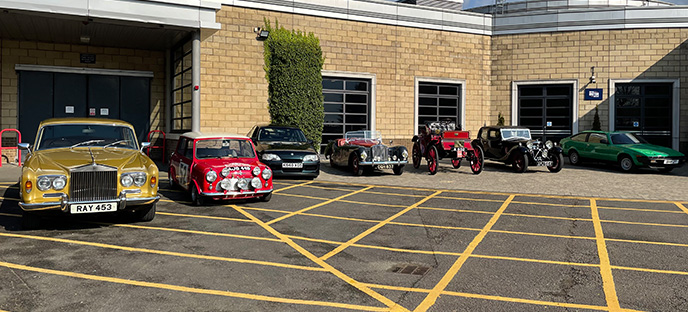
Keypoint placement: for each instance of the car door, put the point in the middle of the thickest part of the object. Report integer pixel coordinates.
(494, 143)
(605, 150)
(184, 165)
(577, 143)
(594, 145)
(175, 158)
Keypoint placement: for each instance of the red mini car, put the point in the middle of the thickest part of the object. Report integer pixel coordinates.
(219, 167)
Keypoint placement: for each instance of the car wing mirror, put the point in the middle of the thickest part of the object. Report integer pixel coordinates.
(310, 142)
(25, 146)
(145, 145)
(604, 141)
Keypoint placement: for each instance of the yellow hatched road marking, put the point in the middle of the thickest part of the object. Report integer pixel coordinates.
(9, 198)
(376, 227)
(544, 217)
(289, 215)
(344, 201)
(639, 209)
(293, 186)
(188, 231)
(201, 216)
(644, 223)
(645, 242)
(605, 265)
(391, 304)
(162, 252)
(190, 289)
(430, 299)
(456, 210)
(497, 298)
(680, 206)
(649, 270)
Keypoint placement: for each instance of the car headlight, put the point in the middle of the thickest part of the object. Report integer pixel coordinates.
(59, 182)
(43, 183)
(311, 157)
(127, 180)
(404, 154)
(364, 155)
(256, 171)
(255, 183)
(226, 184)
(529, 145)
(139, 179)
(394, 157)
(211, 176)
(242, 184)
(271, 157)
(225, 171)
(549, 144)
(267, 173)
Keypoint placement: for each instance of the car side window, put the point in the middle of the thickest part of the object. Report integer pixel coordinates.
(579, 137)
(188, 151)
(253, 134)
(483, 134)
(596, 138)
(180, 146)
(493, 134)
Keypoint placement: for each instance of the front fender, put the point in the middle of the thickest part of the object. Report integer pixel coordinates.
(556, 150)
(414, 139)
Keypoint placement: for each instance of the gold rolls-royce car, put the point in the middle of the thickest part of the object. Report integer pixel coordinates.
(86, 166)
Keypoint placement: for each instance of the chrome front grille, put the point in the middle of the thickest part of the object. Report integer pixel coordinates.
(380, 153)
(93, 185)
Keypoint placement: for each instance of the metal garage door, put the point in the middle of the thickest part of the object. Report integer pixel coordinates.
(347, 107)
(45, 95)
(547, 110)
(645, 108)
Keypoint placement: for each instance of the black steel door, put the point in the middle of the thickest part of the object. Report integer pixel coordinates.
(35, 102)
(135, 104)
(646, 109)
(103, 96)
(70, 95)
(547, 110)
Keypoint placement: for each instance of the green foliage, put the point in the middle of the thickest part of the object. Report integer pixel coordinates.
(596, 121)
(500, 119)
(293, 65)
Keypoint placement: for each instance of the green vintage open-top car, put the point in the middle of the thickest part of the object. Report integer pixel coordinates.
(624, 148)
(87, 165)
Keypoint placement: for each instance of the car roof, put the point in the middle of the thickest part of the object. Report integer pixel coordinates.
(506, 127)
(197, 135)
(84, 120)
(277, 127)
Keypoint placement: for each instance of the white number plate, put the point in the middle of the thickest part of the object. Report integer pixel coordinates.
(390, 166)
(292, 165)
(93, 208)
(547, 163)
(670, 161)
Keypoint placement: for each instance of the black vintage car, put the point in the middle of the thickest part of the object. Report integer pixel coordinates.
(363, 150)
(514, 145)
(286, 150)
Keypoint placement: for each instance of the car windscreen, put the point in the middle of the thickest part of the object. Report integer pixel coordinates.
(515, 134)
(224, 148)
(281, 135)
(626, 138)
(74, 135)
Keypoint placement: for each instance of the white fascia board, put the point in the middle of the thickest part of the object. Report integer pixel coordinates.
(322, 8)
(157, 12)
(69, 7)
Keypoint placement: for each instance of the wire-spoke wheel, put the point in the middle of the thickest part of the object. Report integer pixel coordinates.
(416, 155)
(432, 159)
(520, 162)
(478, 159)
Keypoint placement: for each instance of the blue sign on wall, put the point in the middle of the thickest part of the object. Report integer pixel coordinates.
(593, 94)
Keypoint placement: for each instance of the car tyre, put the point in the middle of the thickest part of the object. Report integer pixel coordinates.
(416, 155)
(196, 198)
(520, 162)
(355, 163)
(456, 163)
(478, 161)
(626, 163)
(171, 178)
(266, 198)
(665, 170)
(557, 163)
(574, 158)
(432, 159)
(30, 221)
(398, 169)
(145, 214)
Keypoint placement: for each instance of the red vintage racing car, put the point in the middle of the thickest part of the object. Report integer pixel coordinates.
(440, 139)
(219, 167)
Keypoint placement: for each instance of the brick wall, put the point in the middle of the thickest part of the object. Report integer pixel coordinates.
(234, 89)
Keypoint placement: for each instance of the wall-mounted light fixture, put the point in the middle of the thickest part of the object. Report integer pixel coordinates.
(261, 34)
(592, 75)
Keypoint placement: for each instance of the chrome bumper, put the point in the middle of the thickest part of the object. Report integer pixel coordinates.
(391, 162)
(245, 193)
(63, 203)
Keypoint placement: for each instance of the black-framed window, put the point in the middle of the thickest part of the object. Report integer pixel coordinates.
(181, 88)
(546, 109)
(346, 105)
(439, 101)
(645, 108)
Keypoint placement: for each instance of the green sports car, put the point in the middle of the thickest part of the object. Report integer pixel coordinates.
(624, 148)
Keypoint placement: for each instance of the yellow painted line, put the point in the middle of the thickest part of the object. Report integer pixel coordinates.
(645, 242)
(471, 199)
(10, 215)
(189, 289)
(384, 300)
(189, 231)
(494, 298)
(175, 201)
(162, 252)
(649, 270)
(291, 187)
(201, 217)
(317, 205)
(345, 201)
(534, 260)
(544, 217)
(680, 206)
(541, 234)
(430, 299)
(638, 209)
(605, 265)
(376, 227)
(644, 223)
(9, 198)
(457, 210)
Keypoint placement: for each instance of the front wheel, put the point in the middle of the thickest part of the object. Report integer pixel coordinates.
(171, 178)
(574, 158)
(665, 170)
(520, 162)
(196, 197)
(416, 155)
(557, 163)
(398, 169)
(432, 159)
(356, 165)
(478, 159)
(626, 164)
(30, 221)
(145, 214)
(266, 198)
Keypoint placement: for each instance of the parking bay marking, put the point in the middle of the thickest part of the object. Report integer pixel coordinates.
(605, 265)
(190, 289)
(317, 205)
(162, 252)
(391, 304)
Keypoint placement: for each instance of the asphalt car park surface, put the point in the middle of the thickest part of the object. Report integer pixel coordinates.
(340, 246)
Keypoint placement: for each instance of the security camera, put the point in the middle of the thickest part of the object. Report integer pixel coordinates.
(592, 79)
(256, 29)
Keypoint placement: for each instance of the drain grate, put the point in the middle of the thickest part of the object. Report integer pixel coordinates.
(410, 269)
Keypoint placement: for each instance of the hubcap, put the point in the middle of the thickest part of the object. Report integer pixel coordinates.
(626, 164)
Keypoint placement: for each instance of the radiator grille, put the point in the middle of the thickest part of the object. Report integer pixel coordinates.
(93, 185)
(380, 153)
